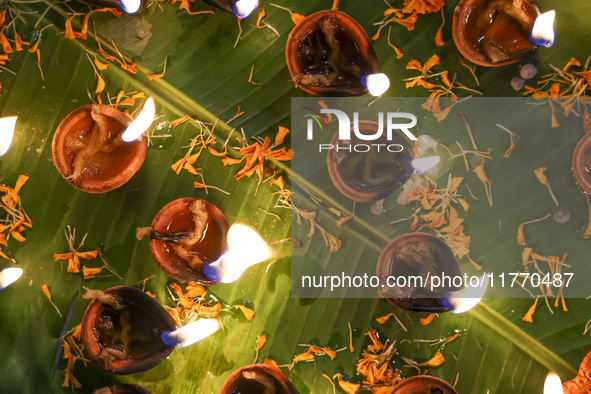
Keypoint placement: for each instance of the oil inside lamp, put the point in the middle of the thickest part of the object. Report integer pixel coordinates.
(7, 126)
(258, 379)
(467, 298)
(424, 164)
(245, 248)
(376, 84)
(130, 6)
(8, 276)
(423, 384)
(191, 333)
(141, 123)
(553, 384)
(543, 31)
(581, 163)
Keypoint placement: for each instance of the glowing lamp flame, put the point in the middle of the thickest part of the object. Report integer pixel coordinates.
(245, 248)
(467, 298)
(243, 8)
(8, 276)
(553, 384)
(191, 333)
(7, 126)
(141, 123)
(375, 84)
(424, 164)
(130, 6)
(543, 31)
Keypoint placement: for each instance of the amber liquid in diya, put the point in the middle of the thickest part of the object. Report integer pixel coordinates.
(329, 56)
(256, 382)
(499, 29)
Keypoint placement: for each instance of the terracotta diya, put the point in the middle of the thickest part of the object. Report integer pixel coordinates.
(185, 235)
(122, 329)
(258, 379)
(328, 53)
(122, 389)
(417, 254)
(581, 384)
(495, 32)
(582, 163)
(88, 150)
(423, 384)
(371, 175)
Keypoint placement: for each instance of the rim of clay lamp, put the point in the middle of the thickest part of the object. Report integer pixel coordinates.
(449, 266)
(582, 176)
(286, 385)
(309, 24)
(129, 297)
(460, 19)
(169, 261)
(416, 385)
(67, 125)
(350, 191)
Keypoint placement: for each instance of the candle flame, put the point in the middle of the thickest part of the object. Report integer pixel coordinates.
(424, 164)
(7, 126)
(376, 84)
(553, 384)
(130, 6)
(191, 333)
(467, 298)
(141, 123)
(245, 248)
(8, 276)
(543, 31)
(243, 8)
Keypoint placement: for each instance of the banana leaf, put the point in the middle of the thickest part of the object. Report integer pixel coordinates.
(207, 75)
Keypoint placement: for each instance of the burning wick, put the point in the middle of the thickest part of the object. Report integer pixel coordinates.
(7, 126)
(245, 248)
(8, 276)
(130, 6)
(375, 84)
(141, 123)
(243, 8)
(543, 31)
(553, 384)
(467, 298)
(191, 333)
(424, 164)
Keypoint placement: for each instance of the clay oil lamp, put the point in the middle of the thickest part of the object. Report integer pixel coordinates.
(185, 235)
(499, 32)
(371, 172)
(258, 379)
(97, 148)
(122, 389)
(240, 8)
(191, 240)
(7, 126)
(125, 331)
(424, 255)
(423, 384)
(329, 54)
(582, 163)
(8, 276)
(580, 384)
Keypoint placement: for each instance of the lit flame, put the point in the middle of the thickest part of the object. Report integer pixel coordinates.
(553, 384)
(376, 84)
(191, 333)
(424, 164)
(8, 276)
(467, 298)
(141, 123)
(243, 8)
(245, 248)
(543, 31)
(7, 126)
(130, 6)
